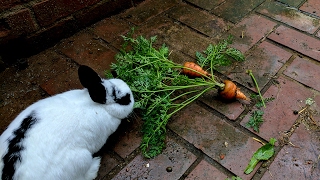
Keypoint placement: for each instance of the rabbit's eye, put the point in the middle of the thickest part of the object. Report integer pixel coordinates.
(124, 100)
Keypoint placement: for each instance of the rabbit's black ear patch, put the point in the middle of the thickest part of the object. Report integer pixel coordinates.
(98, 93)
(88, 77)
(92, 81)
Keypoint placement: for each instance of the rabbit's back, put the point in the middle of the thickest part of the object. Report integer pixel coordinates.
(58, 134)
(55, 138)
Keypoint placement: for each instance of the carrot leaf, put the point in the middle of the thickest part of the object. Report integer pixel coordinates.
(262, 154)
(219, 55)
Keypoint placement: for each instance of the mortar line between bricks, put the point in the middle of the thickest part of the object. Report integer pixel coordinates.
(153, 17)
(279, 23)
(291, 50)
(191, 168)
(189, 27)
(288, 5)
(198, 153)
(251, 12)
(316, 32)
(234, 123)
(266, 164)
(306, 86)
(190, 147)
(200, 8)
(121, 165)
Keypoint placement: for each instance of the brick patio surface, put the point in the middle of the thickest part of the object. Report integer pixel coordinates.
(208, 139)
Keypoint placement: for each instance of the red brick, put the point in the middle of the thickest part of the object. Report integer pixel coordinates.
(204, 22)
(174, 156)
(100, 10)
(136, 2)
(6, 4)
(106, 165)
(210, 134)
(297, 41)
(146, 10)
(253, 28)
(300, 161)
(21, 22)
(49, 11)
(110, 29)
(45, 65)
(304, 71)
(206, 171)
(235, 10)
(66, 81)
(12, 106)
(278, 114)
(290, 16)
(311, 6)
(162, 27)
(129, 138)
(294, 3)
(87, 50)
(183, 39)
(206, 4)
(52, 33)
(232, 110)
(265, 61)
(4, 32)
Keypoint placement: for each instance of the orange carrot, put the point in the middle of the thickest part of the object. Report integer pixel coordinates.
(198, 71)
(231, 91)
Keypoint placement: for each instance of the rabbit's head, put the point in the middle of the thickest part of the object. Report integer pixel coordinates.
(114, 93)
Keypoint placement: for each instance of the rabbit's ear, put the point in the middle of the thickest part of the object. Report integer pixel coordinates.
(92, 81)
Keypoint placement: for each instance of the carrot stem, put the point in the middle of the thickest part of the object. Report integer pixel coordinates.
(256, 84)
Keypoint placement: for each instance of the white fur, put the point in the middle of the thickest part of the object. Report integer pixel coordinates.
(70, 127)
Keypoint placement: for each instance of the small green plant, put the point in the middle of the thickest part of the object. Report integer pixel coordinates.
(219, 55)
(262, 154)
(234, 178)
(256, 118)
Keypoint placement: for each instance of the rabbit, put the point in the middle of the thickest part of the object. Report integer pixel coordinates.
(56, 137)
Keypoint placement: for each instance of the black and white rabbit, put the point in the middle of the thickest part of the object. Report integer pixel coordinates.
(55, 138)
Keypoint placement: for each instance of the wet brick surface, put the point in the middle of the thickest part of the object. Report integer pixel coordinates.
(290, 16)
(302, 43)
(211, 134)
(311, 6)
(297, 70)
(174, 156)
(209, 138)
(204, 22)
(230, 9)
(294, 3)
(278, 115)
(264, 62)
(206, 171)
(249, 31)
(300, 161)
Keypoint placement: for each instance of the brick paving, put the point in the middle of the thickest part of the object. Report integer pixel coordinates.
(208, 139)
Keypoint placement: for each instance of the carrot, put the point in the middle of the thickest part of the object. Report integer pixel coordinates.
(231, 91)
(193, 70)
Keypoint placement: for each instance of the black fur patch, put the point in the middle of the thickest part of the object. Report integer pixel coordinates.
(124, 100)
(15, 147)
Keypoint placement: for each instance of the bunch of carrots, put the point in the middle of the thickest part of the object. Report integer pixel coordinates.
(158, 86)
(229, 92)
